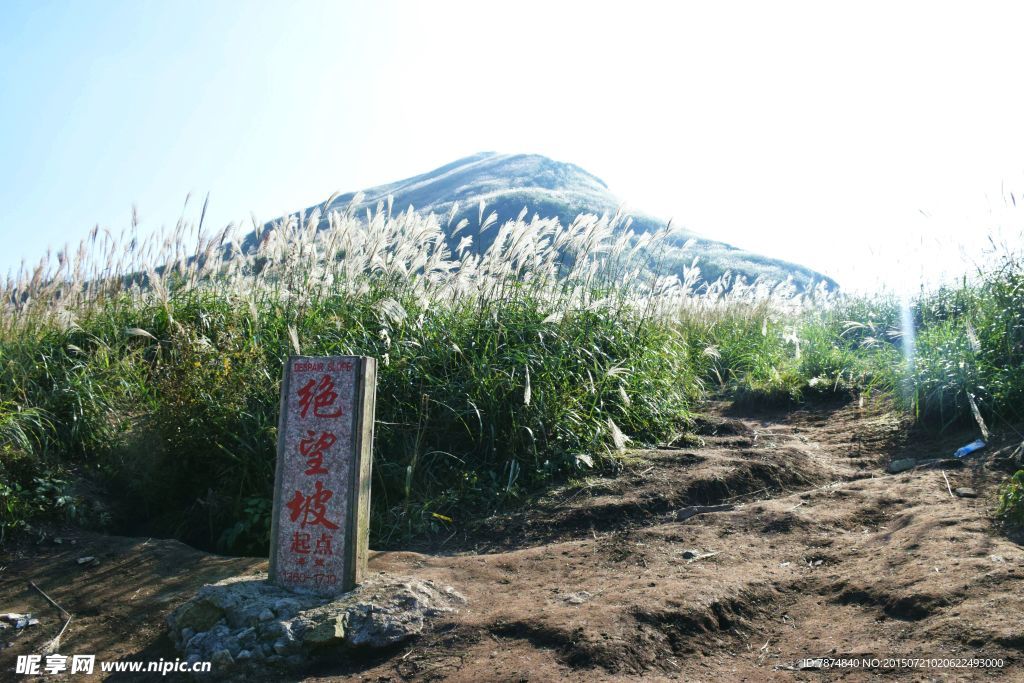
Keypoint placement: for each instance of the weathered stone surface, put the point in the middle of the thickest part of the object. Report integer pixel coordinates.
(227, 622)
(329, 631)
(198, 616)
(221, 659)
(902, 465)
(320, 523)
(966, 492)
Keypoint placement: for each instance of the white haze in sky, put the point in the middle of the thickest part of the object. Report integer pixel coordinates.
(872, 141)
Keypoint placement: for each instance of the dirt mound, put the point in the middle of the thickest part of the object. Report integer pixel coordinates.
(734, 461)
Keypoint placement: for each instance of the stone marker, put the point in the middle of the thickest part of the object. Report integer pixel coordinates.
(320, 526)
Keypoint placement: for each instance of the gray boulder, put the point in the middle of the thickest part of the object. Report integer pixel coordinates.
(247, 623)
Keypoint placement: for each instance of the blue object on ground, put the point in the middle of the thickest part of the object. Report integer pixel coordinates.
(969, 448)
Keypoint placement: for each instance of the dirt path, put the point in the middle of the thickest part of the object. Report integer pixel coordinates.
(821, 555)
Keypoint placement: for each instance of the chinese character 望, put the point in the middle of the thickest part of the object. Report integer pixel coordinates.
(312, 448)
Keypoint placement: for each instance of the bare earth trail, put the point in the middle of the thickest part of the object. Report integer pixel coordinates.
(803, 547)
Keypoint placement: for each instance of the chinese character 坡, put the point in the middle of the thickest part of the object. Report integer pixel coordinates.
(313, 509)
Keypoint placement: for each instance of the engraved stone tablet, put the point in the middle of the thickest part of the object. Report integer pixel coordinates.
(319, 532)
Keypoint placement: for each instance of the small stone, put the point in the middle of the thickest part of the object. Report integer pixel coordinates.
(222, 659)
(198, 615)
(966, 492)
(901, 465)
(186, 634)
(327, 632)
(997, 558)
(232, 645)
(246, 636)
(578, 598)
(272, 629)
(88, 559)
(243, 655)
(690, 554)
(281, 646)
(286, 607)
(266, 615)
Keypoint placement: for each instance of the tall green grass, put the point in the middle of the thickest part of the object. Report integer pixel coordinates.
(970, 348)
(147, 372)
(499, 371)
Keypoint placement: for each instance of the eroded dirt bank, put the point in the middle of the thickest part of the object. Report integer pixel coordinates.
(822, 554)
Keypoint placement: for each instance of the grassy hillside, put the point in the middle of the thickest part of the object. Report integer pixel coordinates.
(540, 359)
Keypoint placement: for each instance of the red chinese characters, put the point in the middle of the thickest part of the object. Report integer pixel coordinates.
(313, 447)
(321, 396)
(316, 467)
(312, 509)
(303, 547)
(317, 398)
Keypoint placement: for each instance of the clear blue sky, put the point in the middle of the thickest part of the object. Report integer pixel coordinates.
(867, 140)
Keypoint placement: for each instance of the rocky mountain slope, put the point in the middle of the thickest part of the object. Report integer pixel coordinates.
(509, 182)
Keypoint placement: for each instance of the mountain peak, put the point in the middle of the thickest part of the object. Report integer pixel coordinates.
(507, 183)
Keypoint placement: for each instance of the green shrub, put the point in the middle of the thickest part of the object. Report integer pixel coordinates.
(1011, 500)
(30, 487)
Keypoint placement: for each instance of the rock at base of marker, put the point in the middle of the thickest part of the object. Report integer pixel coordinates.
(966, 492)
(247, 622)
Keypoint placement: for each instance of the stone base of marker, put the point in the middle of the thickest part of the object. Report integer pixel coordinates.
(247, 623)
